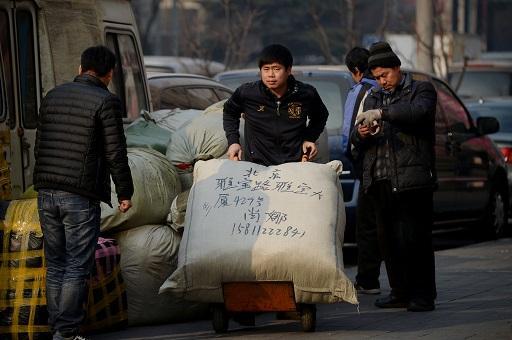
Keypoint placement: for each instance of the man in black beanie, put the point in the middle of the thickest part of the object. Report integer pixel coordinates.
(395, 138)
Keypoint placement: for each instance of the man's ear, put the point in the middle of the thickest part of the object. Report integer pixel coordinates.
(80, 69)
(289, 70)
(108, 77)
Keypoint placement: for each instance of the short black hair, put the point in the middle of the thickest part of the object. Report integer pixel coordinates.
(357, 59)
(98, 59)
(276, 53)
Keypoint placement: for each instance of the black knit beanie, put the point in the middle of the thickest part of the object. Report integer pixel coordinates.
(381, 55)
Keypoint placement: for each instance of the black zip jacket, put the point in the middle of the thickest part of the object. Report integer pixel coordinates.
(409, 125)
(275, 128)
(80, 141)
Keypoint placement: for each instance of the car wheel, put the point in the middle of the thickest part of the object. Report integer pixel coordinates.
(495, 216)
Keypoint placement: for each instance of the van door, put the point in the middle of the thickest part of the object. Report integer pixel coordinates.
(20, 96)
(129, 80)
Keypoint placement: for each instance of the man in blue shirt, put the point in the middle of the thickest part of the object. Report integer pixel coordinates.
(368, 259)
(357, 63)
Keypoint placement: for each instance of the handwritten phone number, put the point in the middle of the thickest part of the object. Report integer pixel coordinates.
(249, 229)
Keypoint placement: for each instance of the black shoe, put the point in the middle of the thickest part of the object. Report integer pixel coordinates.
(391, 301)
(421, 305)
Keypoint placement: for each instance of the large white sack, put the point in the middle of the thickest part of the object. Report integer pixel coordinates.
(155, 182)
(172, 120)
(176, 217)
(200, 139)
(149, 254)
(247, 222)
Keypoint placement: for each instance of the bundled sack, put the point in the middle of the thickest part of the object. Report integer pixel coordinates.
(150, 255)
(176, 218)
(155, 182)
(201, 139)
(23, 312)
(107, 306)
(247, 222)
(172, 120)
(147, 134)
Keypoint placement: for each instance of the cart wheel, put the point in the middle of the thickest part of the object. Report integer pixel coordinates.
(220, 318)
(308, 318)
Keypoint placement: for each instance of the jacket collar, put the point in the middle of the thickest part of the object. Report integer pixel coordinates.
(405, 83)
(91, 80)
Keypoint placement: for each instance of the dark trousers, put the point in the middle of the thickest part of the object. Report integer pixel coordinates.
(71, 226)
(368, 253)
(404, 228)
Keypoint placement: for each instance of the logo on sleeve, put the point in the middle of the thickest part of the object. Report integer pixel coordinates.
(294, 110)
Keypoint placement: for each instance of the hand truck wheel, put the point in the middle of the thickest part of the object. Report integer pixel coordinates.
(308, 317)
(220, 319)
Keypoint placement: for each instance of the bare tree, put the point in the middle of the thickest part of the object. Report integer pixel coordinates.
(238, 23)
(441, 59)
(385, 19)
(323, 39)
(229, 34)
(191, 43)
(350, 35)
(154, 6)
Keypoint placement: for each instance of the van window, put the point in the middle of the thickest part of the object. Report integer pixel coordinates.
(4, 49)
(6, 69)
(128, 81)
(27, 66)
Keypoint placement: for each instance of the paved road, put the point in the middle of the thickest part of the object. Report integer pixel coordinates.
(475, 302)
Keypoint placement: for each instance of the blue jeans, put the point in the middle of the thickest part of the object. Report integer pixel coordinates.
(71, 226)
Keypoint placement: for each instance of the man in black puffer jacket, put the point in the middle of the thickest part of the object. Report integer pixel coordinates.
(276, 110)
(80, 143)
(395, 138)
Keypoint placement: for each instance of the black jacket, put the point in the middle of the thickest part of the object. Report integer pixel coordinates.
(275, 128)
(80, 141)
(408, 123)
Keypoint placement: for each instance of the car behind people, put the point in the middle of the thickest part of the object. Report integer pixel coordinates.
(481, 78)
(185, 91)
(471, 170)
(501, 109)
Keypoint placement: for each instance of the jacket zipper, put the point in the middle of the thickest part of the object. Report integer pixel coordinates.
(278, 102)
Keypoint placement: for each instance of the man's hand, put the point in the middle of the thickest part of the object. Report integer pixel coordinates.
(235, 152)
(125, 205)
(309, 149)
(363, 131)
(367, 118)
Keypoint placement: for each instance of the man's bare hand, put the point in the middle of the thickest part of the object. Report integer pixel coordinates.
(309, 149)
(364, 131)
(235, 152)
(125, 205)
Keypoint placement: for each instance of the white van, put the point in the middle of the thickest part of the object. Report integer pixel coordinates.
(40, 46)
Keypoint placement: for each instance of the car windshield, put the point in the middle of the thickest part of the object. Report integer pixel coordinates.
(333, 94)
(482, 84)
(502, 113)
